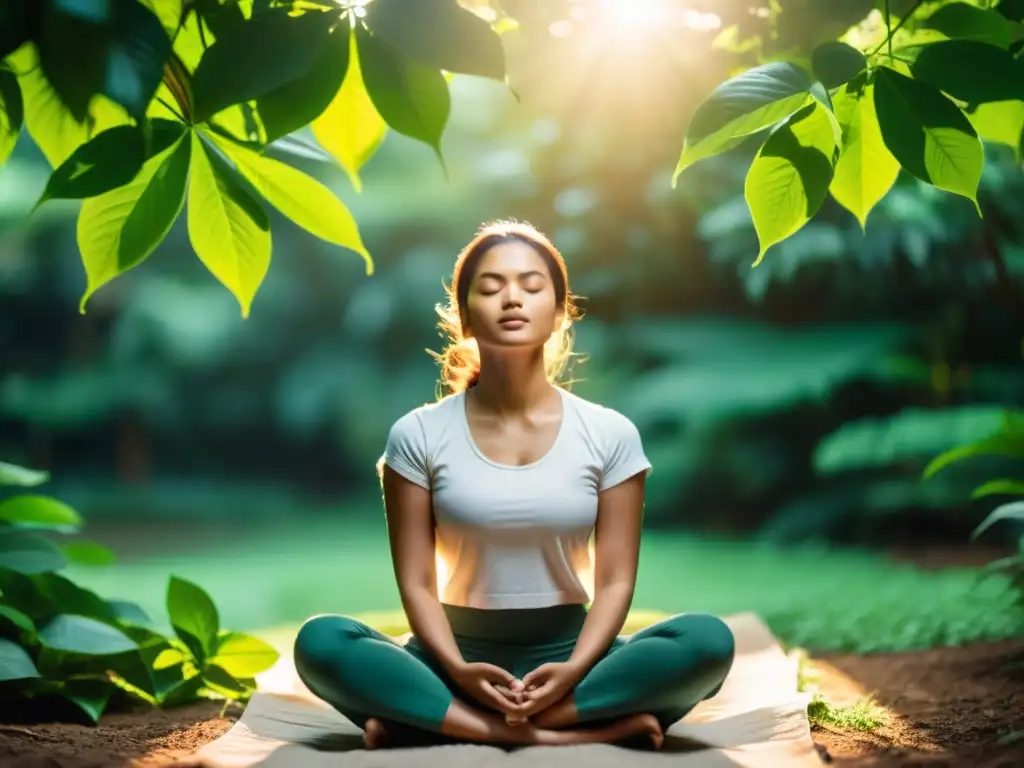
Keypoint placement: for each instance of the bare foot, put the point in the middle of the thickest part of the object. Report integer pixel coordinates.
(642, 725)
(375, 735)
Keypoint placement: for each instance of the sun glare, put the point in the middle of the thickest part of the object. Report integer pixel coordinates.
(647, 16)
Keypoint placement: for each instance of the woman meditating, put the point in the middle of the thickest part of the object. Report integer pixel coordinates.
(505, 479)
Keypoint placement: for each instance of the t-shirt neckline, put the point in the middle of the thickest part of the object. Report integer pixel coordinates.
(468, 433)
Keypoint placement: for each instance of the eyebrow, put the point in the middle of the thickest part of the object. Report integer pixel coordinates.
(521, 275)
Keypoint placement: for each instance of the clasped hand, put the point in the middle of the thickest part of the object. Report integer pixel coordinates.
(518, 699)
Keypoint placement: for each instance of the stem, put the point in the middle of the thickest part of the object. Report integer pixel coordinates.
(899, 25)
(175, 112)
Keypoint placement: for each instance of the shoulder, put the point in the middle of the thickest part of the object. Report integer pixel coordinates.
(424, 417)
(602, 421)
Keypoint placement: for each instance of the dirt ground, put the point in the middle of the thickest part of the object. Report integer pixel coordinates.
(948, 707)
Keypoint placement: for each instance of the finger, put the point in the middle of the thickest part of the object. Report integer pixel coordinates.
(496, 674)
(499, 702)
(536, 676)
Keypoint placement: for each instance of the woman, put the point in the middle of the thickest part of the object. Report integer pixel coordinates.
(505, 480)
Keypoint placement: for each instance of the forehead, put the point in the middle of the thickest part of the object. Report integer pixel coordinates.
(511, 258)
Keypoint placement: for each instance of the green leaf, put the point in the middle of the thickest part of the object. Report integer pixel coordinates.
(301, 198)
(928, 134)
(87, 553)
(28, 553)
(129, 613)
(68, 597)
(350, 128)
(193, 616)
(17, 21)
(17, 618)
(39, 512)
(746, 104)
(138, 48)
(15, 663)
(22, 593)
(439, 34)
(53, 128)
(866, 169)
(109, 160)
(410, 97)
(1006, 444)
(84, 635)
(1000, 122)
(790, 176)
(12, 474)
(222, 682)
(1011, 511)
(835, 63)
(119, 229)
(168, 11)
(228, 227)
(253, 58)
(968, 22)
(12, 113)
(243, 655)
(295, 104)
(73, 46)
(999, 488)
(90, 695)
(970, 71)
(167, 658)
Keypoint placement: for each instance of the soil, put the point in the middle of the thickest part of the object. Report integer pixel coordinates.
(947, 708)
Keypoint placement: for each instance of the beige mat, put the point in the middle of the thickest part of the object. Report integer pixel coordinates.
(758, 720)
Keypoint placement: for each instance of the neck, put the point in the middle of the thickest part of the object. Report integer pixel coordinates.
(512, 383)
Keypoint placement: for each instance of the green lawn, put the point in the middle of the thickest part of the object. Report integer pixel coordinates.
(811, 597)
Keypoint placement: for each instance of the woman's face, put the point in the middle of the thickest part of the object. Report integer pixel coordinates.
(511, 301)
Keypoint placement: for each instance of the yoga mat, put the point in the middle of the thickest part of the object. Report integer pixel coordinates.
(757, 720)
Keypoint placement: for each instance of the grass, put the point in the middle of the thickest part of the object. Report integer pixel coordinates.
(863, 715)
(811, 597)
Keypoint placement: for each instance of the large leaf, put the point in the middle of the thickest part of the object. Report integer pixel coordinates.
(50, 124)
(1012, 511)
(243, 655)
(17, 618)
(866, 169)
(12, 113)
(789, 178)
(12, 474)
(193, 616)
(350, 128)
(39, 512)
(295, 104)
(835, 63)
(301, 198)
(411, 97)
(138, 48)
(928, 134)
(439, 34)
(84, 635)
(15, 663)
(1000, 122)
(119, 229)
(18, 19)
(970, 71)
(746, 104)
(228, 227)
(26, 552)
(91, 695)
(109, 160)
(968, 22)
(253, 58)
(73, 44)
(68, 597)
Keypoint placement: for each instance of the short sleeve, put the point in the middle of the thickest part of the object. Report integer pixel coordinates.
(406, 450)
(624, 451)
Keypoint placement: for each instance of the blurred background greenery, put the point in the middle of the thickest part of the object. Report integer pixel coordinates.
(788, 409)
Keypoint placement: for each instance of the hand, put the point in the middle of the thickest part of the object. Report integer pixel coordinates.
(481, 681)
(548, 684)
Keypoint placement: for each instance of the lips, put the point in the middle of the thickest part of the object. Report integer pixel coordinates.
(513, 321)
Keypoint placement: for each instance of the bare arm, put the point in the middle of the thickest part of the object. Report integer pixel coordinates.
(410, 523)
(617, 553)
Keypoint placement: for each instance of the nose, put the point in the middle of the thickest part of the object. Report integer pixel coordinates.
(513, 296)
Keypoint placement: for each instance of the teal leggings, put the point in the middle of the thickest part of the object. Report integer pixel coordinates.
(665, 669)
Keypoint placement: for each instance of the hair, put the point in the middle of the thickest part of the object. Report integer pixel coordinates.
(460, 360)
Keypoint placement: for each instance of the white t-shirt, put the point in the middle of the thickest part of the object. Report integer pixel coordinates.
(515, 537)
